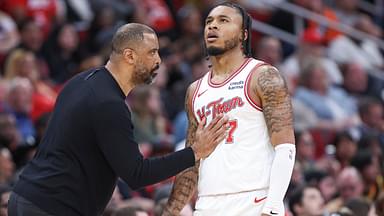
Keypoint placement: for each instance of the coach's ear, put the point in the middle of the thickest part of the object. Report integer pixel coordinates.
(129, 55)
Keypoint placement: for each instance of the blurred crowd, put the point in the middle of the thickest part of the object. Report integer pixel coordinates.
(336, 83)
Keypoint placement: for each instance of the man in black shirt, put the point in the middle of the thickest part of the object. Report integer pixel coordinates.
(89, 141)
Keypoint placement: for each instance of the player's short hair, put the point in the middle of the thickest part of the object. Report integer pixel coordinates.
(129, 35)
(247, 25)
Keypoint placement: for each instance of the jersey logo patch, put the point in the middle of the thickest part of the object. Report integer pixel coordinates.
(236, 85)
(259, 200)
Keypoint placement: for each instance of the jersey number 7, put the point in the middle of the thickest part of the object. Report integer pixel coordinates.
(232, 128)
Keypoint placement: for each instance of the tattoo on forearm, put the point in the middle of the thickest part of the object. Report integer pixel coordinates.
(277, 106)
(185, 182)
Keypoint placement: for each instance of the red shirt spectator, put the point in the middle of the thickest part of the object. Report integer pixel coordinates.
(42, 11)
(156, 14)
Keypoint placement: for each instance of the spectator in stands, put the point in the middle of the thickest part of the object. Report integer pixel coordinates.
(31, 36)
(90, 61)
(10, 136)
(42, 12)
(23, 63)
(363, 51)
(79, 13)
(7, 167)
(19, 103)
(323, 181)
(307, 201)
(199, 68)
(350, 185)
(24, 153)
(371, 143)
(346, 148)
(101, 30)
(189, 43)
(181, 54)
(9, 35)
(327, 187)
(172, 93)
(32, 39)
(122, 10)
(61, 52)
(329, 103)
(285, 20)
(147, 116)
(311, 45)
(156, 14)
(347, 11)
(305, 117)
(269, 50)
(368, 165)
(365, 24)
(360, 83)
(297, 178)
(328, 34)
(305, 150)
(371, 112)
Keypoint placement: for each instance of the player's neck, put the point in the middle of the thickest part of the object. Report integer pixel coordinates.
(227, 63)
(121, 76)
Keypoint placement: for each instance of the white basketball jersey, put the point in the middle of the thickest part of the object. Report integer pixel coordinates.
(242, 162)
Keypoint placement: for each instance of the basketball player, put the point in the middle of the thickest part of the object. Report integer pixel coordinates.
(249, 172)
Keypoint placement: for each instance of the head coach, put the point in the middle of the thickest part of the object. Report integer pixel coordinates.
(89, 140)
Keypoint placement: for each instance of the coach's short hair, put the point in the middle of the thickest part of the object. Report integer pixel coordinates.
(129, 35)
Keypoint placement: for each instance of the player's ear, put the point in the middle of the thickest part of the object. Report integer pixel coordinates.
(245, 35)
(129, 55)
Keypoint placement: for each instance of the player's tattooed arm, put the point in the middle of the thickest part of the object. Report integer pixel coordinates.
(185, 182)
(276, 103)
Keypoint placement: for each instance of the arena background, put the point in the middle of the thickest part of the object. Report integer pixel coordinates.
(331, 53)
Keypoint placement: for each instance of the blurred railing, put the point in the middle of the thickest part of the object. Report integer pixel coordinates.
(302, 13)
(271, 30)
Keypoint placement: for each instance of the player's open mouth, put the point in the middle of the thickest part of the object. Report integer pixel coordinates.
(212, 37)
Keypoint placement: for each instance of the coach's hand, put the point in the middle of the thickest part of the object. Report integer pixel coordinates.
(207, 138)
